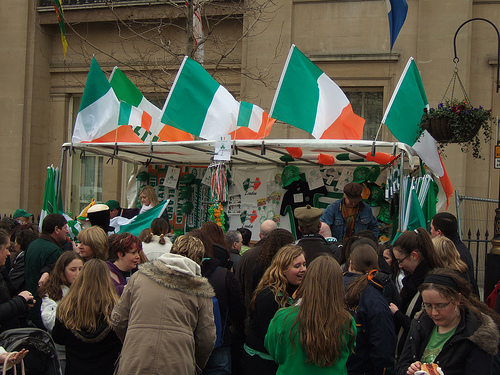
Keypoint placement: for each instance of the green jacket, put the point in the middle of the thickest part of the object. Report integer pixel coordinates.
(292, 360)
(40, 253)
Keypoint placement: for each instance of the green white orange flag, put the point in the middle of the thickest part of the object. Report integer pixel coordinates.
(308, 99)
(99, 108)
(253, 122)
(403, 115)
(127, 92)
(198, 104)
(133, 126)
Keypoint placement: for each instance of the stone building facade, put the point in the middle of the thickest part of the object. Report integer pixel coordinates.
(246, 47)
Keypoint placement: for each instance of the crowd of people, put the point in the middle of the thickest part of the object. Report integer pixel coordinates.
(208, 302)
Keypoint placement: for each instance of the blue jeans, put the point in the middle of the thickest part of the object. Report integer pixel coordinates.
(219, 362)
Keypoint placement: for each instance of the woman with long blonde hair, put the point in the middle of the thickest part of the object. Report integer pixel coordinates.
(447, 251)
(316, 335)
(83, 322)
(148, 198)
(274, 291)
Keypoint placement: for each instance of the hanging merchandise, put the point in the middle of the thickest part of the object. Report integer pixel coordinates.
(217, 215)
(219, 185)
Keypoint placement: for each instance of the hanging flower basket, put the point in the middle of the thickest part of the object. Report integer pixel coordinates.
(458, 122)
(442, 130)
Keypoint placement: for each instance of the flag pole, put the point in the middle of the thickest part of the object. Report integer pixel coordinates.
(378, 131)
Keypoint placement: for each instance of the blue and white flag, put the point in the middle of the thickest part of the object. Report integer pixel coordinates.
(397, 10)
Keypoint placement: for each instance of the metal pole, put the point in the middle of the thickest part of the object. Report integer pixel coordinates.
(456, 59)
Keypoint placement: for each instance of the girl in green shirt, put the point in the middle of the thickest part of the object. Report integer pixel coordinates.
(316, 335)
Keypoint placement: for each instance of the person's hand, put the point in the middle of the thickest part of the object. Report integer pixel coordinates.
(28, 297)
(393, 308)
(43, 279)
(414, 367)
(16, 358)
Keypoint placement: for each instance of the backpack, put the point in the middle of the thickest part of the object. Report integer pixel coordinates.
(220, 326)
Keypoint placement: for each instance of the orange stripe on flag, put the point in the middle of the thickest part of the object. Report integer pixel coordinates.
(146, 121)
(123, 133)
(171, 134)
(446, 183)
(264, 130)
(347, 126)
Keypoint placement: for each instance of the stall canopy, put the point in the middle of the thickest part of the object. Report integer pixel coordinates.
(243, 152)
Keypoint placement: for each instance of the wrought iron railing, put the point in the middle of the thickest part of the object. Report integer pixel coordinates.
(43, 3)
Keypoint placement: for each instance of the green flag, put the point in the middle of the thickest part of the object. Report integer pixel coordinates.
(406, 107)
(49, 196)
(143, 221)
(416, 215)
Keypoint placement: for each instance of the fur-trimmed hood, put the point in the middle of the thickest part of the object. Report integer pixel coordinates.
(487, 335)
(177, 272)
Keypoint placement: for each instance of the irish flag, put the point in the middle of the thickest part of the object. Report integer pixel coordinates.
(308, 99)
(133, 126)
(403, 115)
(127, 92)
(198, 104)
(99, 108)
(253, 122)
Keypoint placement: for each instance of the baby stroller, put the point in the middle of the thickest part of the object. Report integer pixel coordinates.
(42, 357)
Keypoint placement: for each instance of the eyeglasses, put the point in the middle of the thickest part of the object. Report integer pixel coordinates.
(399, 261)
(437, 306)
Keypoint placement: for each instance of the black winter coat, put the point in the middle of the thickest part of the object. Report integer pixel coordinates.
(469, 351)
(88, 353)
(410, 289)
(315, 245)
(10, 308)
(466, 256)
(261, 315)
(228, 295)
(376, 338)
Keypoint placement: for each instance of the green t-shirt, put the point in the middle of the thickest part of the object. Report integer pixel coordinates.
(435, 344)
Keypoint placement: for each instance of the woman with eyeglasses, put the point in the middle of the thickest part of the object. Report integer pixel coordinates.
(414, 253)
(454, 329)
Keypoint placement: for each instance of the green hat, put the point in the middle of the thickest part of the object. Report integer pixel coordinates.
(361, 174)
(21, 213)
(113, 205)
(188, 178)
(186, 207)
(185, 192)
(290, 174)
(143, 176)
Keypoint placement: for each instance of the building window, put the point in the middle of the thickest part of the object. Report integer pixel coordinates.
(369, 105)
(90, 180)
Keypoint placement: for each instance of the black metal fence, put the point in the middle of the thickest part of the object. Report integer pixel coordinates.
(475, 224)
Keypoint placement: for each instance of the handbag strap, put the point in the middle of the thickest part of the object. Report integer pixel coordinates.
(408, 313)
(6, 362)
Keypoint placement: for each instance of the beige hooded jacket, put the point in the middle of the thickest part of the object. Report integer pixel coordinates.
(165, 319)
